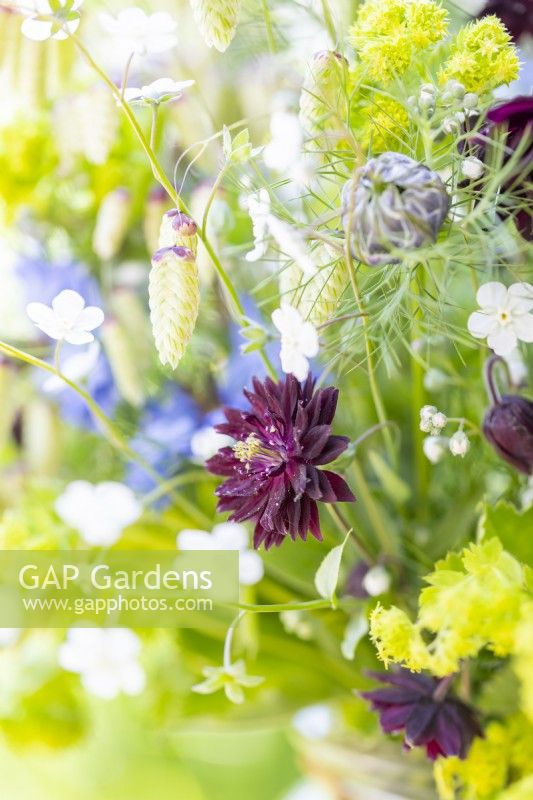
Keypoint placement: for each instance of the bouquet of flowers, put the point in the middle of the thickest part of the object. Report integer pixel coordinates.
(280, 306)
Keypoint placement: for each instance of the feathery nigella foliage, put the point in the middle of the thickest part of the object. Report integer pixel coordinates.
(272, 472)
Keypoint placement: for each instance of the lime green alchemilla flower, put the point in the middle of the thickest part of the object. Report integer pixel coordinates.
(387, 34)
(386, 126)
(482, 57)
(232, 678)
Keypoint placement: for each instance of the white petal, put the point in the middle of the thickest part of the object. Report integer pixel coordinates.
(230, 536)
(90, 318)
(78, 337)
(309, 340)
(502, 341)
(251, 568)
(294, 362)
(491, 295)
(68, 304)
(523, 326)
(41, 314)
(133, 679)
(521, 297)
(36, 29)
(287, 319)
(481, 324)
(133, 94)
(194, 540)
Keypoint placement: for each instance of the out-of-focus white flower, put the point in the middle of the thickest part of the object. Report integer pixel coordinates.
(226, 536)
(232, 678)
(431, 420)
(68, 319)
(517, 367)
(299, 341)
(287, 239)
(376, 581)
(472, 168)
(112, 223)
(163, 90)
(504, 318)
(314, 722)
(296, 623)
(54, 19)
(9, 636)
(76, 367)
(141, 33)
(206, 442)
(435, 380)
(459, 444)
(259, 210)
(106, 659)
(99, 512)
(309, 790)
(435, 447)
(285, 146)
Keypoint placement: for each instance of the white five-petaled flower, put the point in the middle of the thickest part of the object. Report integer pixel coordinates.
(141, 33)
(106, 659)
(226, 536)
(505, 316)
(299, 341)
(68, 319)
(53, 19)
(99, 512)
(163, 90)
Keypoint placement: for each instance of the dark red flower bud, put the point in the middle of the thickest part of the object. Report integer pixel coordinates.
(508, 424)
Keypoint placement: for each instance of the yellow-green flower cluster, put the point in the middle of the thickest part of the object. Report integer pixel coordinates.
(482, 56)
(474, 600)
(387, 34)
(386, 126)
(523, 662)
(505, 753)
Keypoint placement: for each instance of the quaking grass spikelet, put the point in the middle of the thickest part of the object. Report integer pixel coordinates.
(322, 100)
(174, 294)
(216, 20)
(316, 298)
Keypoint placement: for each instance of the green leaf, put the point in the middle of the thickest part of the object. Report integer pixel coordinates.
(354, 632)
(393, 486)
(512, 527)
(327, 575)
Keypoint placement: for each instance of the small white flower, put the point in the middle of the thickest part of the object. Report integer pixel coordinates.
(68, 319)
(472, 168)
(52, 20)
(285, 147)
(299, 341)
(504, 318)
(141, 33)
(376, 581)
(76, 367)
(439, 421)
(226, 536)
(206, 442)
(106, 659)
(435, 447)
(459, 444)
(259, 210)
(163, 90)
(314, 722)
(99, 512)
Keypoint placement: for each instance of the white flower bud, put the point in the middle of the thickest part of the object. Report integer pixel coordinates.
(376, 581)
(426, 418)
(435, 448)
(435, 380)
(470, 100)
(459, 444)
(472, 168)
(439, 421)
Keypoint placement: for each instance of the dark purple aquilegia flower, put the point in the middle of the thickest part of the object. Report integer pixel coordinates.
(425, 710)
(271, 472)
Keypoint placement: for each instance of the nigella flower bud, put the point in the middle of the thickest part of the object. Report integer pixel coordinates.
(174, 294)
(111, 223)
(393, 204)
(508, 424)
(178, 230)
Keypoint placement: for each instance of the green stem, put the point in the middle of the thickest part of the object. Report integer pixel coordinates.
(276, 608)
(153, 129)
(417, 402)
(330, 25)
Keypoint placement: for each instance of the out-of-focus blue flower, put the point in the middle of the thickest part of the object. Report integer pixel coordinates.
(164, 436)
(100, 385)
(43, 280)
